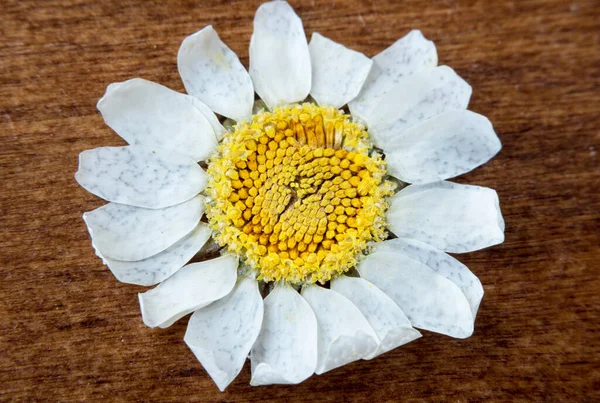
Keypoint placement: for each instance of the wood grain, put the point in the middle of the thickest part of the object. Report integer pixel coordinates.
(70, 332)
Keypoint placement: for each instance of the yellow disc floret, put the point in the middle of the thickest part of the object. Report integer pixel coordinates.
(298, 193)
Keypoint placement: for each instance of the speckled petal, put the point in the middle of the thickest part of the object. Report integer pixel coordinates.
(140, 176)
(429, 300)
(222, 334)
(146, 113)
(217, 127)
(344, 333)
(279, 57)
(442, 147)
(391, 325)
(416, 99)
(191, 288)
(161, 266)
(408, 55)
(441, 263)
(338, 73)
(213, 73)
(451, 217)
(285, 351)
(130, 233)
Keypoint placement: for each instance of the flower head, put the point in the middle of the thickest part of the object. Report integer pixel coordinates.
(308, 203)
(296, 192)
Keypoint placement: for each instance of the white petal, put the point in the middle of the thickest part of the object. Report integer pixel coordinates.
(439, 262)
(222, 334)
(140, 176)
(132, 233)
(344, 333)
(391, 325)
(193, 287)
(161, 266)
(451, 217)
(442, 147)
(431, 301)
(408, 55)
(143, 112)
(338, 73)
(279, 57)
(415, 99)
(217, 127)
(213, 73)
(286, 349)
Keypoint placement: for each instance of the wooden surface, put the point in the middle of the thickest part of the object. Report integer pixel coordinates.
(70, 332)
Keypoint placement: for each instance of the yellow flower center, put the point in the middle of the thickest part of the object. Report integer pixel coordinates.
(298, 193)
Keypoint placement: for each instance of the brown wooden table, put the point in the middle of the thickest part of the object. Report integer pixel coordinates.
(70, 332)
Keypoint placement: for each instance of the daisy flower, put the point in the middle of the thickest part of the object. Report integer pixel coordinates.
(327, 199)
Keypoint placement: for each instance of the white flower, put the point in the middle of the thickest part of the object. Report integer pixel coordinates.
(298, 196)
